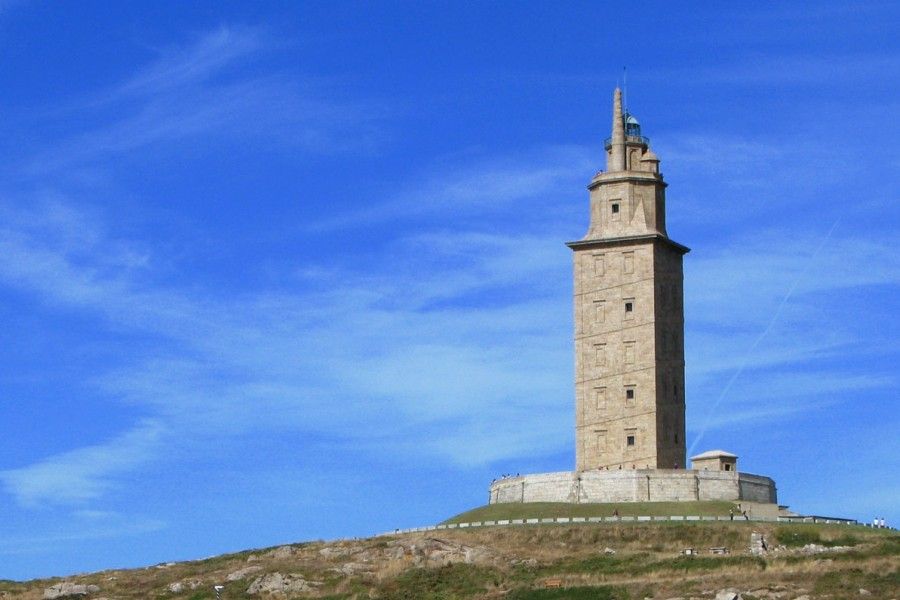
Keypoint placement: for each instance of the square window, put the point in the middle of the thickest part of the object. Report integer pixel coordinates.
(629, 440)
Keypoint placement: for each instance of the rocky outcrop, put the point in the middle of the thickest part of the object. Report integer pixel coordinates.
(242, 573)
(279, 583)
(434, 552)
(67, 589)
(282, 552)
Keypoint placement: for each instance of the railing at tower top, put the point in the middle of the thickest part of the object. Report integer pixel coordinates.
(634, 139)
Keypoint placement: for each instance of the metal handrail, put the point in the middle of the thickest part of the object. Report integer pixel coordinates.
(640, 139)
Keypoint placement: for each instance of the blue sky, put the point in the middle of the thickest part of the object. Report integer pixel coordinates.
(272, 272)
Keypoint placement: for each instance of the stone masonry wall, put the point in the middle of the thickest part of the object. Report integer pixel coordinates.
(634, 485)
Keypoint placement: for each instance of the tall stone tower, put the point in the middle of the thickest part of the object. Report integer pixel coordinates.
(629, 315)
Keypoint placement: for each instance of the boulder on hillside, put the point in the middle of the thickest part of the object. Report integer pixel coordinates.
(434, 551)
(242, 573)
(282, 552)
(67, 589)
(280, 583)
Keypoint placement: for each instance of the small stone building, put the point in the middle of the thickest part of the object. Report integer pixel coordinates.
(714, 460)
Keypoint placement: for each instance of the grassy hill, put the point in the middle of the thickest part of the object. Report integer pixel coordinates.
(546, 510)
(586, 561)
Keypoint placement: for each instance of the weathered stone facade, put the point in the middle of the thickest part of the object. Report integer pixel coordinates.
(629, 353)
(629, 315)
(634, 485)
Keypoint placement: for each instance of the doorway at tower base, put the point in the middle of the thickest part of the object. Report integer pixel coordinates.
(634, 485)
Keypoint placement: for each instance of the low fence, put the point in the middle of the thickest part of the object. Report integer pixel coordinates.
(576, 520)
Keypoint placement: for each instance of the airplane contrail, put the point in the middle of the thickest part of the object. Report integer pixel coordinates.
(756, 343)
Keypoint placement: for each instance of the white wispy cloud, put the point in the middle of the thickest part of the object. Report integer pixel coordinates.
(85, 473)
(393, 348)
(199, 91)
(480, 187)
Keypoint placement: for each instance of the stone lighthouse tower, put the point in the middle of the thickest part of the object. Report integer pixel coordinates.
(629, 315)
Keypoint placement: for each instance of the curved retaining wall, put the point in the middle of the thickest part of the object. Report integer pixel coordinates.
(635, 485)
(594, 520)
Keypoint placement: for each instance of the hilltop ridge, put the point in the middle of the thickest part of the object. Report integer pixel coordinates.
(622, 561)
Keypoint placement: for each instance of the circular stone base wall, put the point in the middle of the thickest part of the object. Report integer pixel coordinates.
(635, 485)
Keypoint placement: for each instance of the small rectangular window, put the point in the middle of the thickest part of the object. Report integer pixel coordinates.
(629, 394)
(629, 440)
(614, 210)
(629, 308)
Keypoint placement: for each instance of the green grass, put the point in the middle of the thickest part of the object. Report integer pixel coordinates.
(443, 583)
(848, 582)
(801, 535)
(572, 593)
(703, 563)
(636, 564)
(547, 510)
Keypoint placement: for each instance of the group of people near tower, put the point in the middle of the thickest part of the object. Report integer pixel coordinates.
(504, 476)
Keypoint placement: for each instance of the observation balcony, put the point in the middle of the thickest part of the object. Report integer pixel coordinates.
(634, 139)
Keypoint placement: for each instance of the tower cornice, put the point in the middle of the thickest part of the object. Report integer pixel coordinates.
(630, 176)
(626, 240)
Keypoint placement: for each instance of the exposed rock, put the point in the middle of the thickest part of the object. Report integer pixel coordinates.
(279, 583)
(282, 552)
(242, 573)
(608, 551)
(430, 551)
(863, 592)
(819, 549)
(252, 558)
(67, 588)
(758, 544)
(528, 562)
(729, 594)
(176, 588)
(334, 551)
(803, 597)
